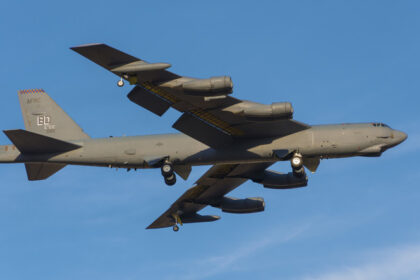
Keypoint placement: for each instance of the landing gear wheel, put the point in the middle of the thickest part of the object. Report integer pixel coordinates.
(171, 180)
(297, 165)
(175, 228)
(299, 173)
(167, 169)
(297, 161)
(120, 83)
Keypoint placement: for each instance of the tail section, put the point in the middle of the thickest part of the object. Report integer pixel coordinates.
(47, 129)
(33, 143)
(43, 116)
(41, 171)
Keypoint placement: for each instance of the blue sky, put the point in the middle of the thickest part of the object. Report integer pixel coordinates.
(336, 61)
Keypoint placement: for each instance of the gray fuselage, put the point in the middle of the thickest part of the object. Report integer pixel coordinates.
(322, 141)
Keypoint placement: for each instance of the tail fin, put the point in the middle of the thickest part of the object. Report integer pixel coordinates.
(43, 116)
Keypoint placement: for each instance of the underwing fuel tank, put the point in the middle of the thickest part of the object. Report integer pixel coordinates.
(139, 66)
(209, 87)
(196, 218)
(241, 206)
(275, 180)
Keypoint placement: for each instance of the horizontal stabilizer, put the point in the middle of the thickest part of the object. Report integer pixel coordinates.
(41, 171)
(32, 143)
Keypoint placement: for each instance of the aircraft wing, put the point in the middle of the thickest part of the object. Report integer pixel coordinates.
(210, 114)
(208, 190)
(118, 62)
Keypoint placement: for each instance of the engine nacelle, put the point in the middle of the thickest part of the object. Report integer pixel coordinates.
(275, 180)
(209, 87)
(257, 111)
(273, 111)
(241, 206)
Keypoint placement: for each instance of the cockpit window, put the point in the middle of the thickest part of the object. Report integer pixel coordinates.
(380, 125)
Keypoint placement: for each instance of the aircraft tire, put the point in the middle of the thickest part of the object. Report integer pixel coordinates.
(167, 170)
(299, 172)
(120, 83)
(175, 228)
(171, 180)
(296, 161)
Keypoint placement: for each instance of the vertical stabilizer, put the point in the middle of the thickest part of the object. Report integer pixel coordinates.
(43, 116)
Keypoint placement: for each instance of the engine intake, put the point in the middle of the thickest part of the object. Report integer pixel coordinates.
(275, 180)
(209, 87)
(241, 206)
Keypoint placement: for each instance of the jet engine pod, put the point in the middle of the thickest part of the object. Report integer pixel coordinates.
(241, 206)
(275, 180)
(209, 87)
(274, 111)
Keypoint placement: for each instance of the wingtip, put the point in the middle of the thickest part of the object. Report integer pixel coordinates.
(86, 46)
(152, 226)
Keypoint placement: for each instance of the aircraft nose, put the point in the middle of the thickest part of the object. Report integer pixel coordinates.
(399, 136)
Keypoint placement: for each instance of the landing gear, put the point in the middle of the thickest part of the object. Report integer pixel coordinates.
(168, 173)
(120, 83)
(167, 169)
(297, 165)
(177, 220)
(297, 161)
(170, 181)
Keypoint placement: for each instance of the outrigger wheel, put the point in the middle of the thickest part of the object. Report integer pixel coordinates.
(120, 83)
(177, 220)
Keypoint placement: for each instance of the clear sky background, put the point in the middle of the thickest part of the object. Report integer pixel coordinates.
(336, 61)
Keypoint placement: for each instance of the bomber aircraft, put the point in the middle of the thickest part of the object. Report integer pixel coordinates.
(239, 138)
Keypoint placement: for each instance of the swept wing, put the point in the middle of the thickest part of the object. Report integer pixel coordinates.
(211, 116)
(208, 190)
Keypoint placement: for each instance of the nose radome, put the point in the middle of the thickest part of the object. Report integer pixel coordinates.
(400, 136)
